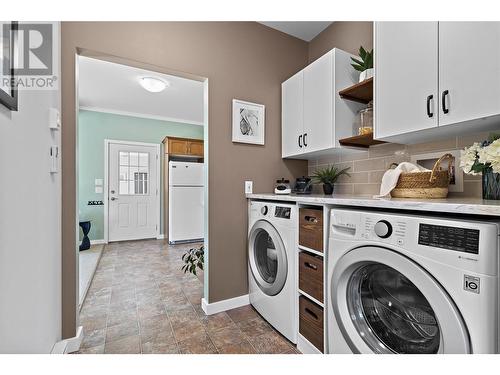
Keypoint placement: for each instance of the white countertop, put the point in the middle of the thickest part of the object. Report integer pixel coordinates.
(462, 206)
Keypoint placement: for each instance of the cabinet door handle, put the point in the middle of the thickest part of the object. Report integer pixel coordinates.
(443, 101)
(305, 139)
(429, 113)
(310, 312)
(300, 141)
(311, 266)
(310, 219)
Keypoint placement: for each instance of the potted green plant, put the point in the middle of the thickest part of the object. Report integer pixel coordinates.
(193, 259)
(484, 158)
(365, 65)
(328, 176)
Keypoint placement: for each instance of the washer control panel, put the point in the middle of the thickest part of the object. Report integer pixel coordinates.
(282, 212)
(390, 231)
(451, 238)
(383, 229)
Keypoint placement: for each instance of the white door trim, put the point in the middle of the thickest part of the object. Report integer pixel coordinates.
(107, 143)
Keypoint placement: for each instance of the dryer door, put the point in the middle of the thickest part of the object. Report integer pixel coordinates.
(267, 258)
(385, 303)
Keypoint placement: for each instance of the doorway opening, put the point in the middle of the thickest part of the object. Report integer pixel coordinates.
(128, 116)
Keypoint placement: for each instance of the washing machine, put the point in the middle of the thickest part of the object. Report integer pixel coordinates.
(401, 283)
(272, 252)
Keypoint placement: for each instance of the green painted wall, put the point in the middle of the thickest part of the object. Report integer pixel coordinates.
(93, 129)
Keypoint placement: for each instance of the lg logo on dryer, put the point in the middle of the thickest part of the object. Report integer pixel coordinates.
(471, 283)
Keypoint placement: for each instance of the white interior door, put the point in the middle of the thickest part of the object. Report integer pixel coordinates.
(133, 200)
(469, 71)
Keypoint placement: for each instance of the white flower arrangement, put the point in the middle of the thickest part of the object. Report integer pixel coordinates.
(481, 157)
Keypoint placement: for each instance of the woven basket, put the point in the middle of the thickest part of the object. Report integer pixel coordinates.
(432, 185)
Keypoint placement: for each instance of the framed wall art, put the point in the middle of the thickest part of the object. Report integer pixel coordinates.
(248, 122)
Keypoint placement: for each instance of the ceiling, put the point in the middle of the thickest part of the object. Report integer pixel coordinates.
(109, 87)
(300, 29)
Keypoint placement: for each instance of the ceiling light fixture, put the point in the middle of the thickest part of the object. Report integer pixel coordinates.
(153, 84)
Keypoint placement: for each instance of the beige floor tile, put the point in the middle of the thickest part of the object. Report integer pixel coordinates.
(121, 317)
(271, 343)
(243, 347)
(216, 321)
(242, 313)
(227, 336)
(254, 327)
(128, 345)
(93, 338)
(154, 347)
(197, 345)
(140, 301)
(120, 331)
(94, 350)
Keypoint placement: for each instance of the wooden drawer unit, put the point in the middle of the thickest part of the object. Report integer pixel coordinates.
(311, 228)
(311, 322)
(311, 275)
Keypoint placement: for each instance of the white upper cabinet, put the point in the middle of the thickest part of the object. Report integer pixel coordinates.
(318, 92)
(436, 79)
(292, 114)
(406, 77)
(313, 114)
(469, 71)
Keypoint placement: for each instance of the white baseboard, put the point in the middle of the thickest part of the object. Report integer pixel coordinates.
(224, 305)
(305, 347)
(69, 345)
(98, 242)
(160, 237)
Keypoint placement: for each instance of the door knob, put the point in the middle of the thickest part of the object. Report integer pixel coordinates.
(113, 198)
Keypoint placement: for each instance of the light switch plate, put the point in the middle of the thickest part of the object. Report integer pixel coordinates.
(98, 189)
(98, 182)
(248, 187)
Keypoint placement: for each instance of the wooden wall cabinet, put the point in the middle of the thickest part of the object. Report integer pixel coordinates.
(435, 79)
(183, 147)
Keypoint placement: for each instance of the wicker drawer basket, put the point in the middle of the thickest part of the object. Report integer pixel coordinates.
(431, 185)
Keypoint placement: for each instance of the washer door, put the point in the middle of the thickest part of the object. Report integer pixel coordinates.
(385, 303)
(267, 258)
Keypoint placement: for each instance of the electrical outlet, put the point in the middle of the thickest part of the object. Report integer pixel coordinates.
(248, 187)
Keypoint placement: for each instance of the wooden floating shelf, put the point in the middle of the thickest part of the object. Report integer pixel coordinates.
(364, 141)
(361, 92)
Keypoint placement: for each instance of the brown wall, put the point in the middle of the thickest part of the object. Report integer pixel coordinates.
(242, 60)
(348, 36)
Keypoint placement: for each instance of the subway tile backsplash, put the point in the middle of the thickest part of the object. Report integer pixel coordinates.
(368, 167)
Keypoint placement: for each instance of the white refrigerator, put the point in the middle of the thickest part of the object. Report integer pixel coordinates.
(185, 202)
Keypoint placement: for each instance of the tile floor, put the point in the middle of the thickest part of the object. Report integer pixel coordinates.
(141, 302)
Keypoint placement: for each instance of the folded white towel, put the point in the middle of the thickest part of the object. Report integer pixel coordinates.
(391, 177)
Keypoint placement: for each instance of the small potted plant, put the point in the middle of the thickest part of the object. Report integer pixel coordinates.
(328, 176)
(365, 65)
(484, 158)
(193, 259)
